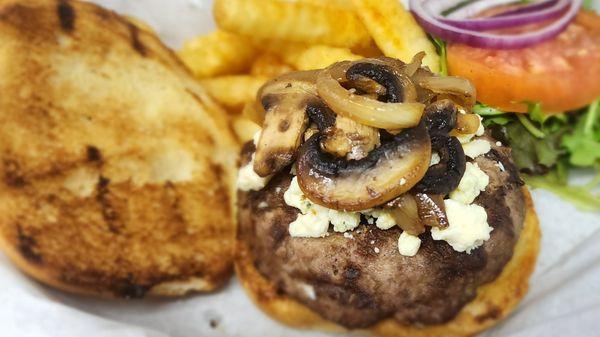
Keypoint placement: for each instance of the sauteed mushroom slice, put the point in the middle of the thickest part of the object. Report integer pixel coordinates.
(353, 185)
(321, 115)
(399, 87)
(467, 123)
(284, 100)
(444, 176)
(440, 116)
(365, 87)
(342, 136)
(362, 109)
(431, 210)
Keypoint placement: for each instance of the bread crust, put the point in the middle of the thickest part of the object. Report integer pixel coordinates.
(493, 303)
(116, 170)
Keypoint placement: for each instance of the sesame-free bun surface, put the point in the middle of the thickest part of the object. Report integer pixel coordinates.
(116, 170)
(493, 303)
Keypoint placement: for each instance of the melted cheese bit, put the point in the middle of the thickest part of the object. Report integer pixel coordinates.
(341, 221)
(435, 159)
(408, 245)
(473, 182)
(248, 180)
(313, 224)
(476, 148)
(468, 227)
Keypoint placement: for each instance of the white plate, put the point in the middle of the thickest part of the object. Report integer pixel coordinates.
(564, 299)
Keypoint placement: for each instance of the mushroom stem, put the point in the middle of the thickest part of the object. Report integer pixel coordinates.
(284, 100)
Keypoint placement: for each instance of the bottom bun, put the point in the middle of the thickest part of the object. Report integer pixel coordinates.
(493, 303)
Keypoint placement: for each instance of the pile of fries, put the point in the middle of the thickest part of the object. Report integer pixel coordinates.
(260, 39)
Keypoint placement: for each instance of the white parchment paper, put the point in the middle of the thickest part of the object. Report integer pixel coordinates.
(564, 297)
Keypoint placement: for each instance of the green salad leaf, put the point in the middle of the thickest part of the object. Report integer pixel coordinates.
(546, 147)
(583, 143)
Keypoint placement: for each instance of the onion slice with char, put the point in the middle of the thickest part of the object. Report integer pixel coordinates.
(461, 89)
(363, 109)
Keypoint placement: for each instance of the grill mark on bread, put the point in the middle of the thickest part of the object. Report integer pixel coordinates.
(174, 200)
(137, 45)
(71, 234)
(93, 154)
(109, 214)
(66, 15)
(12, 174)
(27, 246)
(130, 289)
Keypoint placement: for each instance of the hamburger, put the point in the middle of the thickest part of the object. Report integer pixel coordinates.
(373, 199)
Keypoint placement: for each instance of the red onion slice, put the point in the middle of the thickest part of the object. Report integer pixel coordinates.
(510, 21)
(488, 40)
(536, 6)
(467, 11)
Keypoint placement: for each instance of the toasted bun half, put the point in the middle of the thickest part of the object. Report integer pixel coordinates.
(116, 170)
(494, 301)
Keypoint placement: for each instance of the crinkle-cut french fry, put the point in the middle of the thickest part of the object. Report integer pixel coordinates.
(345, 4)
(307, 57)
(291, 21)
(233, 91)
(368, 51)
(317, 57)
(269, 65)
(218, 53)
(395, 31)
(244, 128)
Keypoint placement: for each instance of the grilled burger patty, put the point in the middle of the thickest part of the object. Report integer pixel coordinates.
(348, 281)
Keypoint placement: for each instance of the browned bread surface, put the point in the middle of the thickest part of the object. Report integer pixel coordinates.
(493, 303)
(116, 170)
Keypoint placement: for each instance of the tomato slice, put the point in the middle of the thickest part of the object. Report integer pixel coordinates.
(562, 74)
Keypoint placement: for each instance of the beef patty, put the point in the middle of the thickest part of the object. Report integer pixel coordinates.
(348, 281)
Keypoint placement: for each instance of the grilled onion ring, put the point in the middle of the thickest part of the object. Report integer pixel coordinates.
(364, 110)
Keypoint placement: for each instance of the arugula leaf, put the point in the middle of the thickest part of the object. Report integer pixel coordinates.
(484, 110)
(583, 143)
(588, 4)
(532, 154)
(499, 120)
(534, 109)
(546, 147)
(440, 46)
(529, 126)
